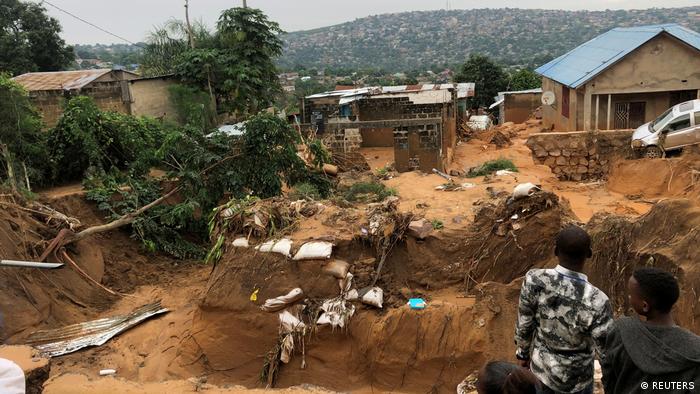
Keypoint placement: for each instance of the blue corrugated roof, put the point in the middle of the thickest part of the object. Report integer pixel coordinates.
(580, 65)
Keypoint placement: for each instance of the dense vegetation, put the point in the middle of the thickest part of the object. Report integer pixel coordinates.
(438, 39)
(29, 39)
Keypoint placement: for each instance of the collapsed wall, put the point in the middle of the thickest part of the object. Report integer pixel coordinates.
(666, 237)
(580, 155)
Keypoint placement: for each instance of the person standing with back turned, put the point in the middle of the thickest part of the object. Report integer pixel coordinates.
(562, 318)
(654, 355)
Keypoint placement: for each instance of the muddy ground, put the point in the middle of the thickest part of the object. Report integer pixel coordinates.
(215, 338)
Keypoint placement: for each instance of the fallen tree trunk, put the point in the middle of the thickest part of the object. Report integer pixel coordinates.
(122, 221)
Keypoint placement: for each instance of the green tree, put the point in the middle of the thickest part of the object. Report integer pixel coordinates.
(166, 44)
(249, 44)
(22, 143)
(524, 79)
(29, 39)
(488, 77)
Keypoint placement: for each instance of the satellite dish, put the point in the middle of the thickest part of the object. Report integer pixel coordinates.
(548, 98)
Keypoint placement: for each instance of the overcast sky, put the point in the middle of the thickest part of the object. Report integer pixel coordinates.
(133, 19)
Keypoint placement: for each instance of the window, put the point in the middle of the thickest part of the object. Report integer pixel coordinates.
(565, 101)
(697, 118)
(680, 123)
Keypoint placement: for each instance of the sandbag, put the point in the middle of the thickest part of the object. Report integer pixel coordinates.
(281, 302)
(240, 243)
(290, 323)
(314, 250)
(337, 268)
(282, 246)
(373, 296)
(287, 348)
(352, 295)
(346, 283)
(337, 313)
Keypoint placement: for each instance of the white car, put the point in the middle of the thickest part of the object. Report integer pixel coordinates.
(677, 127)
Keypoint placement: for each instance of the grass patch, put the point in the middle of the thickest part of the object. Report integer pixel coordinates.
(437, 224)
(304, 191)
(368, 192)
(492, 166)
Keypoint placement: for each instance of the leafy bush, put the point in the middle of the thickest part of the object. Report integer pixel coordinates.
(304, 191)
(319, 152)
(88, 138)
(22, 143)
(492, 166)
(193, 106)
(368, 192)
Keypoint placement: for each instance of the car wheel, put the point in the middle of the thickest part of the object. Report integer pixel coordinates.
(653, 152)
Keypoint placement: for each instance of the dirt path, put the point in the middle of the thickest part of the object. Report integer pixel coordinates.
(456, 209)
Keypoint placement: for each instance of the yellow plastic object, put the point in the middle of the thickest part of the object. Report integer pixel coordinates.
(254, 295)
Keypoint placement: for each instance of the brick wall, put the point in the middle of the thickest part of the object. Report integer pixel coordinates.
(107, 95)
(580, 155)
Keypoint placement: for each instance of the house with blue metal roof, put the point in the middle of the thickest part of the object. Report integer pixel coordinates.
(621, 79)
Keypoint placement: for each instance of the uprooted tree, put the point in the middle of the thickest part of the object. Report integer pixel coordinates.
(22, 143)
(201, 170)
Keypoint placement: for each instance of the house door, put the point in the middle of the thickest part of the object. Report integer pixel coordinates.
(637, 114)
(629, 115)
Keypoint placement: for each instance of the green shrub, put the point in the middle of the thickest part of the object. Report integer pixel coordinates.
(437, 224)
(492, 166)
(88, 138)
(305, 191)
(368, 192)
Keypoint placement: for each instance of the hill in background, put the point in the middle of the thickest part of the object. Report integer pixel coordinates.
(435, 39)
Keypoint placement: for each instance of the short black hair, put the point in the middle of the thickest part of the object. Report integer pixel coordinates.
(658, 287)
(574, 243)
(496, 373)
(506, 378)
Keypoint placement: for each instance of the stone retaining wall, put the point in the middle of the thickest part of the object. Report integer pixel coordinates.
(580, 155)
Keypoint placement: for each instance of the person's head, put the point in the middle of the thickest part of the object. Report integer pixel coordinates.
(652, 291)
(573, 246)
(499, 377)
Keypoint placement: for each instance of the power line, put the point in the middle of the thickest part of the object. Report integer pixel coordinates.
(90, 23)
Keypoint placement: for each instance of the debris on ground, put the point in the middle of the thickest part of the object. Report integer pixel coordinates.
(72, 338)
(420, 228)
(454, 187)
(416, 303)
(491, 167)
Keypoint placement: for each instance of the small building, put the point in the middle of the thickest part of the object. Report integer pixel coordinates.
(622, 78)
(517, 106)
(418, 121)
(113, 90)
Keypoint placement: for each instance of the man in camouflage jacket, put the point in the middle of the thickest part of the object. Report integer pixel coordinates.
(562, 318)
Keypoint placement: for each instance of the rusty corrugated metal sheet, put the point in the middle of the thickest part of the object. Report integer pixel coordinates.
(59, 80)
(93, 333)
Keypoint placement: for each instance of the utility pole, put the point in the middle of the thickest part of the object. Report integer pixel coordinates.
(245, 4)
(189, 27)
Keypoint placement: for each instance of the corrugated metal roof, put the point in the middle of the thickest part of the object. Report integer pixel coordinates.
(59, 80)
(463, 90)
(93, 333)
(538, 90)
(580, 65)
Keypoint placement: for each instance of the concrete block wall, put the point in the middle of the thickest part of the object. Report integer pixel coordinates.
(580, 155)
(346, 140)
